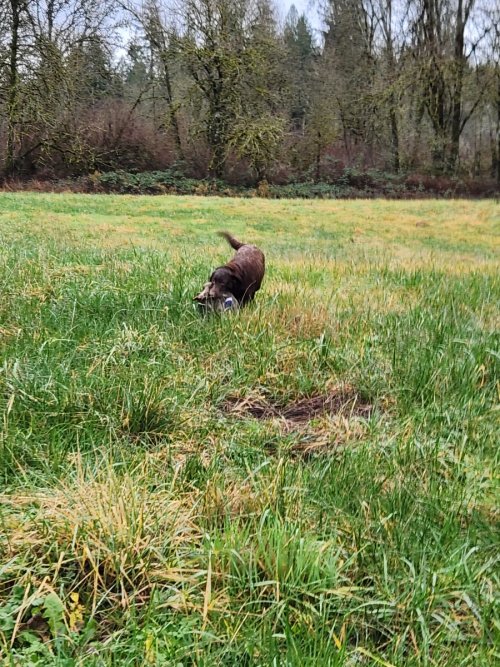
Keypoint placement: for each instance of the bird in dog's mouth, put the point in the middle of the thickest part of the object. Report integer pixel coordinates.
(210, 299)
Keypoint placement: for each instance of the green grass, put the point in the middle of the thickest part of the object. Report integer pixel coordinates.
(141, 523)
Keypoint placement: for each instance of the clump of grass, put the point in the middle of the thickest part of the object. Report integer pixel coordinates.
(109, 533)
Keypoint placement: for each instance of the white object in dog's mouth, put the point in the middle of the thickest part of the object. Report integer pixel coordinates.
(230, 303)
(227, 302)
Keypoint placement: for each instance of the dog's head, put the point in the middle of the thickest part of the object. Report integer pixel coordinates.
(219, 287)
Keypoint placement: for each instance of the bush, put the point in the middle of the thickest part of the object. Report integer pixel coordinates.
(154, 182)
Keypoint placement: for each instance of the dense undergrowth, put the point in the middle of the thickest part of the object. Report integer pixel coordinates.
(350, 183)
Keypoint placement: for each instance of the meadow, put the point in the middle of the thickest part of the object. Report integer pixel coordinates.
(311, 481)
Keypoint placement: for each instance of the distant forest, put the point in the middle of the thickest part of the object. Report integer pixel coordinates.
(226, 89)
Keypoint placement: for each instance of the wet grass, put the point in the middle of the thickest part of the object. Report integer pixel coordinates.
(142, 522)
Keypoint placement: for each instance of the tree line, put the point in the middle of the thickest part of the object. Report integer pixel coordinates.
(224, 88)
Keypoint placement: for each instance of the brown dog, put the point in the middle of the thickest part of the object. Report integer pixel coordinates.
(240, 278)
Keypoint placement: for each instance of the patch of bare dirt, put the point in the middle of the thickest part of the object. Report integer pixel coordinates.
(341, 401)
(320, 424)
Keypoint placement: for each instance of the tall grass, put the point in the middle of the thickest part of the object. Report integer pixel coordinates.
(142, 521)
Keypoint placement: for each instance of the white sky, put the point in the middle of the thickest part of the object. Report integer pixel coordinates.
(307, 7)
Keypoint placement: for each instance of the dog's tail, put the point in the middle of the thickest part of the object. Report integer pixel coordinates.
(234, 243)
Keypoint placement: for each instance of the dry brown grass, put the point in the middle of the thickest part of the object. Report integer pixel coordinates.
(115, 533)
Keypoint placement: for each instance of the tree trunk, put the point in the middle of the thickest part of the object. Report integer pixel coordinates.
(456, 104)
(435, 84)
(498, 131)
(12, 96)
(439, 120)
(171, 106)
(317, 172)
(217, 132)
(392, 76)
(218, 160)
(394, 140)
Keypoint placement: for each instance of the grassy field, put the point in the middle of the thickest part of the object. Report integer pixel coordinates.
(313, 481)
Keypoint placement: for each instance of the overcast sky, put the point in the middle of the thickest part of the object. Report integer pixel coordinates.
(303, 7)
